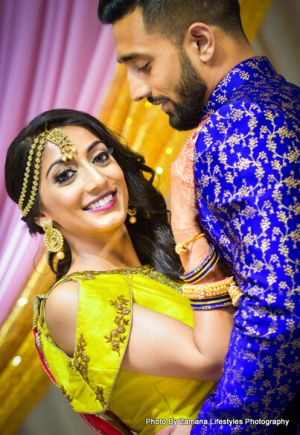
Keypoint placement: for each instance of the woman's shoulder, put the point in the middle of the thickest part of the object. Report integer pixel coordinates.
(61, 310)
(77, 298)
(82, 329)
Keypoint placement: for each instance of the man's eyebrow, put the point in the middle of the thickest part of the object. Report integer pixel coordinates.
(59, 161)
(128, 57)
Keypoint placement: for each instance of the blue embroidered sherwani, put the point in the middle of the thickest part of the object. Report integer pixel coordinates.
(247, 187)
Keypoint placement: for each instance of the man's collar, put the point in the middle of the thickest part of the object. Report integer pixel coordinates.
(249, 69)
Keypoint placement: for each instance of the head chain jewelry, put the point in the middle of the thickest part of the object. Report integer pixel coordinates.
(58, 138)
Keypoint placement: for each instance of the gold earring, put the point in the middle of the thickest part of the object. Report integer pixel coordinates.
(53, 240)
(132, 213)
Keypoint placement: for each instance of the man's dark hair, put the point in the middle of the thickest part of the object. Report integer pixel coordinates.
(173, 17)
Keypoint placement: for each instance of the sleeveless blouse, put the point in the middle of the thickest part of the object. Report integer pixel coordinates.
(93, 380)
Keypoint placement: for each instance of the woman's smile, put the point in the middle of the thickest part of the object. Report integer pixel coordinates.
(103, 202)
(88, 195)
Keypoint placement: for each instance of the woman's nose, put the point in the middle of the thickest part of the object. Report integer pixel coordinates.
(94, 178)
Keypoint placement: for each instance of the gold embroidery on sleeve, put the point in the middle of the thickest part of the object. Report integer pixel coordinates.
(67, 396)
(100, 396)
(80, 360)
(118, 334)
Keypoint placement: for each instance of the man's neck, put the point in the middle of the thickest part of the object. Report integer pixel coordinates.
(229, 54)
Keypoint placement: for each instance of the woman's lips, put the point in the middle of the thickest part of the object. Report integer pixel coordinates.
(104, 203)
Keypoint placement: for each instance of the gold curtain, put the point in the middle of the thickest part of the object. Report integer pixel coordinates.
(146, 129)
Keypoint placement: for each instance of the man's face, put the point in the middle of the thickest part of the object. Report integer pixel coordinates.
(160, 72)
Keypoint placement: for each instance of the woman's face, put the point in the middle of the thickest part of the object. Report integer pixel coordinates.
(86, 196)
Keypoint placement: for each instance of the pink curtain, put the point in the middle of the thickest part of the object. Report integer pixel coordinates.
(53, 53)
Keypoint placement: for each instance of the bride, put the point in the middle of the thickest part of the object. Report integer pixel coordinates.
(132, 339)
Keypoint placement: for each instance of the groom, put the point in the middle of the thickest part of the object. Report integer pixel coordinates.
(194, 60)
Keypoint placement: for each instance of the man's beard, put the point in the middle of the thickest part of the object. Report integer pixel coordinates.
(191, 92)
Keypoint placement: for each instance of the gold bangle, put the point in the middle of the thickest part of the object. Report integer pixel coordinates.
(235, 294)
(206, 291)
(181, 248)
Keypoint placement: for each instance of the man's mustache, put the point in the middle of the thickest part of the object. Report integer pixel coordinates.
(157, 100)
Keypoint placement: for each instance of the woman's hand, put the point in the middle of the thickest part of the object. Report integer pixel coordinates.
(166, 430)
(184, 213)
(182, 429)
(176, 429)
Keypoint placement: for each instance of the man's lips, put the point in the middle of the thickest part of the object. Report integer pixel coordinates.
(163, 102)
(164, 106)
(102, 201)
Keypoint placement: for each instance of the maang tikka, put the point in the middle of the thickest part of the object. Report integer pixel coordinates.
(67, 150)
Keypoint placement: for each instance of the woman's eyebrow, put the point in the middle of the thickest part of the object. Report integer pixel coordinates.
(92, 145)
(59, 161)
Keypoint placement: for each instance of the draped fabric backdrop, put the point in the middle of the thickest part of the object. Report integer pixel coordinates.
(55, 53)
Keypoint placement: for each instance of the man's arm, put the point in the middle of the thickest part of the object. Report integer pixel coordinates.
(247, 175)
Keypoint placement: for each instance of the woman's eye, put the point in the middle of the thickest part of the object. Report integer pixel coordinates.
(101, 157)
(64, 176)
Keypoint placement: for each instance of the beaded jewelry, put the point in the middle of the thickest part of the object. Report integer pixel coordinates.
(38, 144)
(235, 294)
(132, 215)
(224, 287)
(64, 144)
(53, 240)
(182, 248)
(67, 150)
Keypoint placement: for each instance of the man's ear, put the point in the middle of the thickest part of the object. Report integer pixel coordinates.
(199, 41)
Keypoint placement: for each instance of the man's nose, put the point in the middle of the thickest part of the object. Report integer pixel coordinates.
(138, 88)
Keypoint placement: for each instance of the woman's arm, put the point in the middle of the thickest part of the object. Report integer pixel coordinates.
(163, 346)
(158, 344)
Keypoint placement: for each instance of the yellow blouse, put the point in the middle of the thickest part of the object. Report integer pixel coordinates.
(92, 379)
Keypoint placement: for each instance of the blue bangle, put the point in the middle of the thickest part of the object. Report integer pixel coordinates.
(185, 276)
(205, 271)
(211, 303)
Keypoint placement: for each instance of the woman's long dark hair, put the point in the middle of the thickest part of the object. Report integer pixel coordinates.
(151, 235)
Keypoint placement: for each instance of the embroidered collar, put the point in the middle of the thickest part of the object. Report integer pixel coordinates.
(250, 69)
(145, 270)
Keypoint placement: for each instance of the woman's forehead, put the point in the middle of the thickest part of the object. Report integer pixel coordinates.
(82, 140)
(77, 133)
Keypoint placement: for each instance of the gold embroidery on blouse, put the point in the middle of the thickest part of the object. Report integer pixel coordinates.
(36, 309)
(157, 276)
(118, 334)
(39, 343)
(80, 360)
(100, 396)
(146, 270)
(67, 396)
